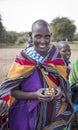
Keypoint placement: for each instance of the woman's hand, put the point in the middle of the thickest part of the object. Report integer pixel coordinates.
(3, 107)
(58, 94)
(43, 97)
(76, 84)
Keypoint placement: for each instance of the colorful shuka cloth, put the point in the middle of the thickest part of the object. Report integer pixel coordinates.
(30, 72)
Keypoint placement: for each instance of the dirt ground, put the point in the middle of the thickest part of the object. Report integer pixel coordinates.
(7, 56)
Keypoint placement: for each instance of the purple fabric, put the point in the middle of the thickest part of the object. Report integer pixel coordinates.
(22, 114)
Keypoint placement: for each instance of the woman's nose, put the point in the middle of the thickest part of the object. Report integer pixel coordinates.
(42, 40)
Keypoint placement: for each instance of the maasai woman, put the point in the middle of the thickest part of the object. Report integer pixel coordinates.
(39, 80)
(65, 52)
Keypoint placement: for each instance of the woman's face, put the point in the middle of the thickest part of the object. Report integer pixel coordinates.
(65, 51)
(41, 39)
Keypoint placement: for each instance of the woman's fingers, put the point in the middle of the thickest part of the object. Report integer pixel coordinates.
(45, 98)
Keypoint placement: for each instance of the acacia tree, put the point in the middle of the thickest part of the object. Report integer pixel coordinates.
(62, 29)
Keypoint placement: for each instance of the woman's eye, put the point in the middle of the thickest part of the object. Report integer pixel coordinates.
(47, 37)
(38, 36)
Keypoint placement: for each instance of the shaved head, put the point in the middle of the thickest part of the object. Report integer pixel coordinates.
(64, 49)
(39, 24)
(61, 44)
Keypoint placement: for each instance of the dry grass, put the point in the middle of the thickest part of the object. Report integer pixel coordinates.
(7, 56)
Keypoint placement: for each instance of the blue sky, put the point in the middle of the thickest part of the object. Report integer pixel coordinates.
(18, 15)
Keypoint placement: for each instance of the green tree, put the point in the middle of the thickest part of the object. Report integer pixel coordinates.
(2, 30)
(10, 37)
(76, 37)
(62, 29)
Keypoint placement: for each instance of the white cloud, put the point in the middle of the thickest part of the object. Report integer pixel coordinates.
(18, 15)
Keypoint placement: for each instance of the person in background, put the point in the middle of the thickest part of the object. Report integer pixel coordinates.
(65, 52)
(73, 79)
(38, 81)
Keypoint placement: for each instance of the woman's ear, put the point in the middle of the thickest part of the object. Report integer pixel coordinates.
(30, 34)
